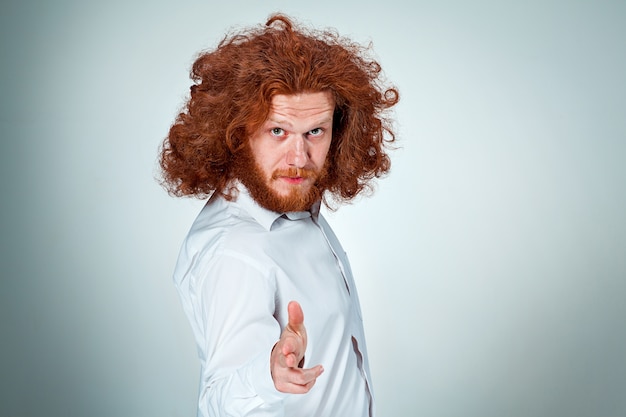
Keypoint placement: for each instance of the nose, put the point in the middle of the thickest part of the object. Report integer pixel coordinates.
(297, 154)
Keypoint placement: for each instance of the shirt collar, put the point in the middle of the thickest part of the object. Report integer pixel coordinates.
(265, 217)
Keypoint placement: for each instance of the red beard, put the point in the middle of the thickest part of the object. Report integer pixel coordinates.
(299, 199)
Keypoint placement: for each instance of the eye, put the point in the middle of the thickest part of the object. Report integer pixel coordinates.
(277, 131)
(318, 131)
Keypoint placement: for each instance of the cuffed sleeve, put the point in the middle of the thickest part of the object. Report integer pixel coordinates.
(249, 391)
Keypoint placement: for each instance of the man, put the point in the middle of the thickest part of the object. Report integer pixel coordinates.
(279, 120)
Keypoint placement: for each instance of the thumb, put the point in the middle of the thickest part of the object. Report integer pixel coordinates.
(296, 318)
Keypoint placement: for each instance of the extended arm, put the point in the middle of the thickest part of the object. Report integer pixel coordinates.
(245, 371)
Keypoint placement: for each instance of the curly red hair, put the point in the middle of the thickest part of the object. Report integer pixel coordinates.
(231, 96)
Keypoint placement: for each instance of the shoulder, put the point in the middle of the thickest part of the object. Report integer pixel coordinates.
(224, 232)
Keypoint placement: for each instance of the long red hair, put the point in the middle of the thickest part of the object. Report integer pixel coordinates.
(231, 96)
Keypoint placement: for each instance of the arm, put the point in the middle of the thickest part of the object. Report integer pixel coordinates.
(245, 371)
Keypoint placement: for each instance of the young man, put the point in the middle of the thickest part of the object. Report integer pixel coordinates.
(279, 120)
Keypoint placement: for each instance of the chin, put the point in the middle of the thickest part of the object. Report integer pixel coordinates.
(288, 190)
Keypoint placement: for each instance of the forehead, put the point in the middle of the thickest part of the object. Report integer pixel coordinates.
(302, 105)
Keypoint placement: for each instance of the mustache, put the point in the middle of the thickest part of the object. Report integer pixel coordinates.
(295, 172)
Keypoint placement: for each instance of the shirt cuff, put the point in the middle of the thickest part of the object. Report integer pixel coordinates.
(262, 381)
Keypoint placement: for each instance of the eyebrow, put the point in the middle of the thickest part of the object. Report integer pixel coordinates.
(321, 122)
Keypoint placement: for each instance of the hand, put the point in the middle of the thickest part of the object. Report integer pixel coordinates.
(287, 354)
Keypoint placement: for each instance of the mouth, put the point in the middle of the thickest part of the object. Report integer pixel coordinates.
(294, 176)
(293, 180)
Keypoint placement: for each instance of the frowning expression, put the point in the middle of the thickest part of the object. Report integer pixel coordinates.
(291, 146)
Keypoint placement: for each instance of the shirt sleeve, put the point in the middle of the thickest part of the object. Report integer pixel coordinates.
(233, 304)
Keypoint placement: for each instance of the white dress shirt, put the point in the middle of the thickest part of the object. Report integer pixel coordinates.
(237, 270)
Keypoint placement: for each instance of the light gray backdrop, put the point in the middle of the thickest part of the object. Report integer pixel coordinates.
(491, 262)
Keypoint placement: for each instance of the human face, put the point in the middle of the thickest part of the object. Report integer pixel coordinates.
(291, 146)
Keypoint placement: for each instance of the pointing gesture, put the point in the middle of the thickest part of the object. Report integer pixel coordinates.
(288, 355)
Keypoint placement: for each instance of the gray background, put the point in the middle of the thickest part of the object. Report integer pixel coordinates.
(490, 262)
